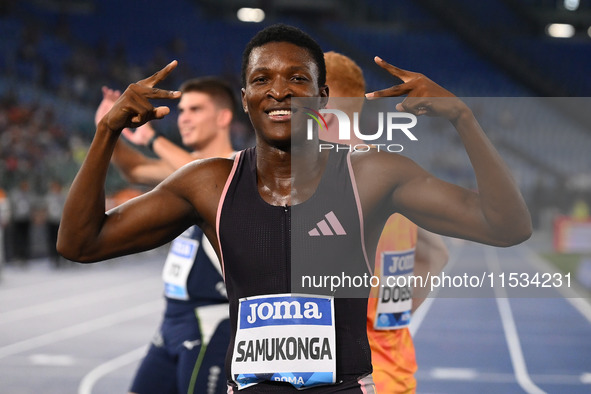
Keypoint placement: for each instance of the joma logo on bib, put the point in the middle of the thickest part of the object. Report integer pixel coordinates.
(182, 248)
(283, 310)
(398, 264)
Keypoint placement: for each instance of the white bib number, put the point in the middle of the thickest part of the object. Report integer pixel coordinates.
(179, 262)
(286, 338)
(395, 296)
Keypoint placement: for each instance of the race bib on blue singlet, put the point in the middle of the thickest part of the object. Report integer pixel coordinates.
(395, 296)
(286, 338)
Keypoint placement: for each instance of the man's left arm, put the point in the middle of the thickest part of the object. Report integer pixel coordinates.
(496, 214)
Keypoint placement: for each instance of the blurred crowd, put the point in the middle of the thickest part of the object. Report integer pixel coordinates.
(50, 85)
(29, 223)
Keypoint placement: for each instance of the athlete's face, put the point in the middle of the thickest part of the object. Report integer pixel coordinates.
(276, 72)
(198, 120)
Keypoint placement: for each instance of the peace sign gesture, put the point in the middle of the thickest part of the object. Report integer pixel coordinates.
(133, 108)
(424, 97)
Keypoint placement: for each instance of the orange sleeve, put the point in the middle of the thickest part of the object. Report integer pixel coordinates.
(393, 353)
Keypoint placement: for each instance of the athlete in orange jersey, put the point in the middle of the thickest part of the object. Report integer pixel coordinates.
(392, 349)
(401, 242)
(417, 252)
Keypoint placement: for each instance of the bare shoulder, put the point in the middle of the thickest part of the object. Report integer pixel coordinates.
(201, 184)
(213, 165)
(376, 166)
(204, 175)
(379, 173)
(374, 155)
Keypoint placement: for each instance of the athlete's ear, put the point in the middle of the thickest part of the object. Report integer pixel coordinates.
(224, 117)
(243, 98)
(323, 96)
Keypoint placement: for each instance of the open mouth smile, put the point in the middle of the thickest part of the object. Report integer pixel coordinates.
(280, 114)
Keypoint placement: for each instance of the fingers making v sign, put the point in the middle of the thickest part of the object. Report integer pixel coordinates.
(424, 97)
(133, 108)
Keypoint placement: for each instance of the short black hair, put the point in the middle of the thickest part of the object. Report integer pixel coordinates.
(219, 90)
(285, 33)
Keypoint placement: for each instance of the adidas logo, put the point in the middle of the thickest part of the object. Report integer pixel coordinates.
(335, 226)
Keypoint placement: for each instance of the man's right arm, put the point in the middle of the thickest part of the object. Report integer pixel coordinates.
(89, 234)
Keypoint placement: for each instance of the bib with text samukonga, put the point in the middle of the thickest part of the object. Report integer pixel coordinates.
(285, 338)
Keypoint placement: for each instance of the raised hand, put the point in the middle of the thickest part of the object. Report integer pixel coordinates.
(424, 97)
(133, 109)
(140, 136)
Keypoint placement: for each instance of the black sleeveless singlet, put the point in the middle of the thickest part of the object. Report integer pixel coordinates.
(260, 242)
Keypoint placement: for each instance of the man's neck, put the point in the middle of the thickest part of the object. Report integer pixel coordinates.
(289, 177)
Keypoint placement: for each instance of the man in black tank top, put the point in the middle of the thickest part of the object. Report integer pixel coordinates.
(253, 269)
(255, 210)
